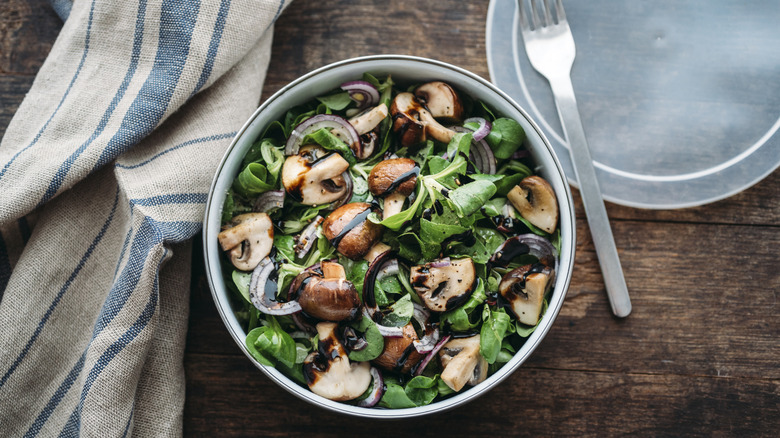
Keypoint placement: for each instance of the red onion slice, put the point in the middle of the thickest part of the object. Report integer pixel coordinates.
(441, 263)
(347, 193)
(431, 337)
(259, 297)
(269, 201)
(521, 153)
(307, 238)
(529, 243)
(480, 153)
(363, 93)
(377, 390)
(302, 322)
(372, 273)
(431, 355)
(385, 331)
(343, 129)
(484, 127)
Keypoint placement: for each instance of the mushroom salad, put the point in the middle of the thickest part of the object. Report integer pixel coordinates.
(389, 246)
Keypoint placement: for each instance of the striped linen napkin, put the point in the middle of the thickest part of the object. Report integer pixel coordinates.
(104, 173)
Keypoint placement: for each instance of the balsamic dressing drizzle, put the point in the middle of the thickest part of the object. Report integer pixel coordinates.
(357, 220)
(411, 173)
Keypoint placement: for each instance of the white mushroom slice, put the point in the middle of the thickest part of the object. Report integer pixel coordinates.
(443, 286)
(462, 363)
(524, 288)
(414, 123)
(369, 120)
(329, 372)
(248, 240)
(315, 177)
(375, 250)
(441, 100)
(535, 200)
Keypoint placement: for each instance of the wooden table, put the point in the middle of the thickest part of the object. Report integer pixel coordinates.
(698, 356)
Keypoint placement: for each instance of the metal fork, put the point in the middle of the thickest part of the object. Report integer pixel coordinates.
(550, 48)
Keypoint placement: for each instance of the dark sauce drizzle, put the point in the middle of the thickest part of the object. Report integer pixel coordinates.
(357, 220)
(411, 173)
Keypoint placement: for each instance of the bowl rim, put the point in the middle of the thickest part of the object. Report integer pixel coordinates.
(562, 282)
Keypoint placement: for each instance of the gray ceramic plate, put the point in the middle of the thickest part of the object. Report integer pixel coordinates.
(680, 100)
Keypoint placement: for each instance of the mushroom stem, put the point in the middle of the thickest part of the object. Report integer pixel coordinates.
(333, 270)
(368, 120)
(394, 203)
(375, 251)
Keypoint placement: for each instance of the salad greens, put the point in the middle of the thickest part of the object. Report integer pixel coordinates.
(456, 278)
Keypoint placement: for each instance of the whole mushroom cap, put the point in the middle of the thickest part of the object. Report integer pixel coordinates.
(387, 176)
(349, 230)
(329, 299)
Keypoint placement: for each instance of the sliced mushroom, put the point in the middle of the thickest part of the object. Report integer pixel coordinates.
(374, 252)
(315, 176)
(330, 297)
(369, 119)
(443, 286)
(248, 239)
(349, 231)
(535, 200)
(399, 354)
(462, 363)
(441, 100)
(365, 123)
(524, 288)
(414, 124)
(393, 179)
(328, 371)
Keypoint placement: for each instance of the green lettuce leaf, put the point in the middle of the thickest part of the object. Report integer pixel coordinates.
(505, 137)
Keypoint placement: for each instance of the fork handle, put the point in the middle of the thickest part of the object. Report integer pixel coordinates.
(591, 196)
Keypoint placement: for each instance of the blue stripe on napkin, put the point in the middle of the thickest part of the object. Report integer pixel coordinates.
(62, 172)
(64, 96)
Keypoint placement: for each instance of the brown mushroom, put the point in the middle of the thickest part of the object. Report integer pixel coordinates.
(524, 288)
(414, 124)
(535, 200)
(328, 371)
(314, 176)
(400, 354)
(349, 230)
(462, 362)
(330, 297)
(443, 285)
(248, 239)
(441, 101)
(394, 180)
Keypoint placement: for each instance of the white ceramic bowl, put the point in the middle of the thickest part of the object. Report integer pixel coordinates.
(403, 69)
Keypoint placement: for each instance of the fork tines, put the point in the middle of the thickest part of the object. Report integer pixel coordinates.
(536, 18)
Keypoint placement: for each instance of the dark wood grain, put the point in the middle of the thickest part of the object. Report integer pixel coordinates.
(698, 356)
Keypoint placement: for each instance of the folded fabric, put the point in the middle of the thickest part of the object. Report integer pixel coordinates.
(104, 173)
